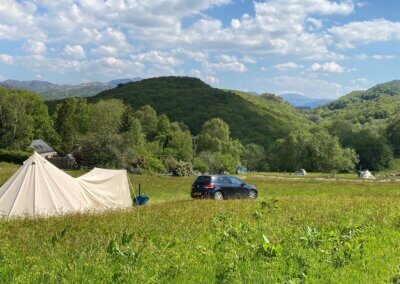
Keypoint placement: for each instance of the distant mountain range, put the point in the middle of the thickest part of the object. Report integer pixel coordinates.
(50, 91)
(301, 101)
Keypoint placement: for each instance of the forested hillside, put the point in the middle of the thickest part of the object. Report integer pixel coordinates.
(261, 120)
(374, 105)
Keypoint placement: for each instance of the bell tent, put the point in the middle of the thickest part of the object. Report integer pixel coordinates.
(40, 188)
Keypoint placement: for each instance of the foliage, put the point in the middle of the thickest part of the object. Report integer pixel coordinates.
(393, 134)
(317, 151)
(14, 156)
(23, 117)
(379, 103)
(215, 138)
(372, 148)
(251, 118)
(71, 119)
(216, 163)
(254, 158)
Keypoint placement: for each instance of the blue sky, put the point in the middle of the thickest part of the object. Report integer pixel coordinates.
(319, 48)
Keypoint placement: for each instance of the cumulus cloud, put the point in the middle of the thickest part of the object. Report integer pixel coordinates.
(35, 47)
(331, 67)
(6, 59)
(351, 34)
(74, 51)
(311, 87)
(288, 66)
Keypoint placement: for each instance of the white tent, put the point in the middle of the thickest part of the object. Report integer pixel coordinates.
(366, 175)
(40, 188)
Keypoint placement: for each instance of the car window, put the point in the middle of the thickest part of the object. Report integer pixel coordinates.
(203, 179)
(236, 181)
(225, 180)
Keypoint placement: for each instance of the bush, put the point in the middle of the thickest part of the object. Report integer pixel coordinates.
(182, 169)
(14, 156)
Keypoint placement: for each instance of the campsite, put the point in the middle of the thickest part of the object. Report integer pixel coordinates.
(205, 141)
(314, 228)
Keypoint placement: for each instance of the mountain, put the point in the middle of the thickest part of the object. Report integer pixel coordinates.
(377, 104)
(49, 91)
(251, 118)
(301, 101)
(115, 83)
(34, 86)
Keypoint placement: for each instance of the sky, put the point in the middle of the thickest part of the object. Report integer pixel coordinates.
(318, 48)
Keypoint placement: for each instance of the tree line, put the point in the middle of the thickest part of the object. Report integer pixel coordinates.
(109, 133)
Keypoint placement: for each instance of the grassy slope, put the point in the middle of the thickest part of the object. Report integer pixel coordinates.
(251, 118)
(178, 240)
(376, 104)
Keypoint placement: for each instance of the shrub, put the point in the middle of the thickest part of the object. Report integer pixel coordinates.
(182, 169)
(14, 156)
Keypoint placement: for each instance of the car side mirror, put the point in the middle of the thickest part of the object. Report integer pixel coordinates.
(243, 184)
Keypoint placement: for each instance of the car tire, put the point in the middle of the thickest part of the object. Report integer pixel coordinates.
(218, 195)
(252, 194)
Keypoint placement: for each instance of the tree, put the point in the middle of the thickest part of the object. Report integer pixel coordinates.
(71, 120)
(215, 138)
(149, 121)
(372, 148)
(254, 157)
(313, 151)
(23, 117)
(393, 134)
(106, 117)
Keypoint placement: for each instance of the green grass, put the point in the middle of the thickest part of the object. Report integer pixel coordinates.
(318, 230)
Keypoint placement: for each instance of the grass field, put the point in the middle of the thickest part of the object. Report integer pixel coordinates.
(314, 229)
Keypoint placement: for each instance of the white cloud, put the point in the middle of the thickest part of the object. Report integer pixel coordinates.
(363, 56)
(310, 87)
(365, 32)
(331, 67)
(206, 78)
(225, 63)
(360, 81)
(35, 47)
(104, 50)
(288, 66)
(74, 51)
(6, 59)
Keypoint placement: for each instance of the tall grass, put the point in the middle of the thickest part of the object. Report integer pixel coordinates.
(300, 230)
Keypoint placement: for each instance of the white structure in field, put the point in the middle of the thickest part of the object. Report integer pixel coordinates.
(301, 172)
(366, 175)
(40, 188)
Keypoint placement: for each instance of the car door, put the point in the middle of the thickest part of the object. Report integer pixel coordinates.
(227, 187)
(238, 188)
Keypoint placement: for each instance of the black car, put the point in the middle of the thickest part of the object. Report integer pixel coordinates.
(222, 187)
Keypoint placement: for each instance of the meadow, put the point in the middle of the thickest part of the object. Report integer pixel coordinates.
(316, 229)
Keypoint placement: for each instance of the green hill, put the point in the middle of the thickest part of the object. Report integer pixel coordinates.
(258, 119)
(375, 105)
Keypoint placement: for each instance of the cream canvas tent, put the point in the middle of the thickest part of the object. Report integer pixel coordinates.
(40, 188)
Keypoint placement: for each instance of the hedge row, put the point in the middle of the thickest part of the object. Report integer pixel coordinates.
(12, 156)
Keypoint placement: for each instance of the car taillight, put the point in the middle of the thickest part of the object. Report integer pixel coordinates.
(208, 186)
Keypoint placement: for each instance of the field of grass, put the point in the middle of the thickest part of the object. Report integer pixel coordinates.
(314, 229)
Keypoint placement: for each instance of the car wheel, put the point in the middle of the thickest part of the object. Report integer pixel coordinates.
(252, 194)
(218, 195)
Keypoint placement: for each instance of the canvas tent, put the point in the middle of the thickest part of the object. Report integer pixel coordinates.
(40, 188)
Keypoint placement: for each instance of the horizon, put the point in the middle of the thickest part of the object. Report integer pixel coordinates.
(320, 49)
